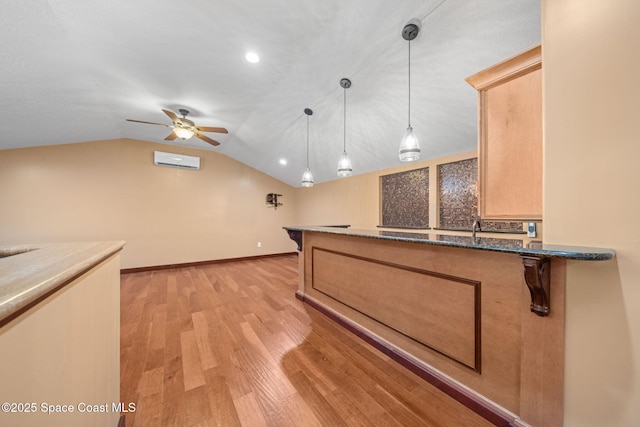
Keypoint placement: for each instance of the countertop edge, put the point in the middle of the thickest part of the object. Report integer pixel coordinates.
(548, 250)
(29, 276)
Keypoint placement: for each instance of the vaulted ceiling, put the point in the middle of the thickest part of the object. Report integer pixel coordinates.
(74, 70)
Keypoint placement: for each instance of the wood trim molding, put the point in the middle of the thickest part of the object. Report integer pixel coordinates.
(456, 392)
(508, 69)
(199, 263)
(474, 365)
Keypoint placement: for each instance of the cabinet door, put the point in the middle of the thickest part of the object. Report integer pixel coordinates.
(510, 138)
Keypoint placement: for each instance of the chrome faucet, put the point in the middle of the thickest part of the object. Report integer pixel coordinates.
(476, 227)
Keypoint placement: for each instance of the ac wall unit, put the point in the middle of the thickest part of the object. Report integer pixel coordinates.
(176, 160)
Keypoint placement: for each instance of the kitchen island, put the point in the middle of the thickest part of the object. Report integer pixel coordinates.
(480, 317)
(60, 334)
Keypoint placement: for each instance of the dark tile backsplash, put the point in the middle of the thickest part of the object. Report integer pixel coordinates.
(457, 184)
(405, 199)
(458, 193)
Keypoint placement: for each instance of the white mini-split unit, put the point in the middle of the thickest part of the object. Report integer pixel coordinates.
(176, 160)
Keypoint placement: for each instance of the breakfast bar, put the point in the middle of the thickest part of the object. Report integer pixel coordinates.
(481, 316)
(60, 333)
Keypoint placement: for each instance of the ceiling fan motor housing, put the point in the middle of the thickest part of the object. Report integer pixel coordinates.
(185, 123)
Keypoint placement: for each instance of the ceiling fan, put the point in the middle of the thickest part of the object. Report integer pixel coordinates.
(185, 128)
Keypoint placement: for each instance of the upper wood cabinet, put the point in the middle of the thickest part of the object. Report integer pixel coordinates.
(510, 138)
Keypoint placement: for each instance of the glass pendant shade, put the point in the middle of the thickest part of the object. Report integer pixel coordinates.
(344, 165)
(307, 178)
(183, 133)
(409, 147)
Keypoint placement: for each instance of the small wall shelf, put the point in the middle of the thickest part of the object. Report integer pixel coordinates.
(272, 200)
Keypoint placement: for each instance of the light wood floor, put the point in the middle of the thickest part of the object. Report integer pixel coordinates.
(229, 344)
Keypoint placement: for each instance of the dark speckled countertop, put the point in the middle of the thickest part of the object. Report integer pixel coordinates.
(520, 246)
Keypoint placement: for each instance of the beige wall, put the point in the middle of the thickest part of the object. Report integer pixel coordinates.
(66, 351)
(110, 190)
(591, 57)
(356, 200)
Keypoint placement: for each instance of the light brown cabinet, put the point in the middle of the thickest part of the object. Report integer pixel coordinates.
(510, 138)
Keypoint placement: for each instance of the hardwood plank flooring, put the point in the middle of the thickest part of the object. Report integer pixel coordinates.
(229, 345)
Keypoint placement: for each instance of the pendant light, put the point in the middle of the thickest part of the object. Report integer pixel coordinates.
(344, 164)
(409, 146)
(307, 177)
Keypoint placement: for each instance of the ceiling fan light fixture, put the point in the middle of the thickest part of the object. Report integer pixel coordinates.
(185, 128)
(409, 150)
(183, 133)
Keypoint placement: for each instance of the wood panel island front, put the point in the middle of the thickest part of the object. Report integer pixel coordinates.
(482, 318)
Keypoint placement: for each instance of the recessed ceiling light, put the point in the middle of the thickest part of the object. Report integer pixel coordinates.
(252, 57)
(283, 162)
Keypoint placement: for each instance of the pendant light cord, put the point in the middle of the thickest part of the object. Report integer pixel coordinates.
(409, 68)
(344, 147)
(307, 141)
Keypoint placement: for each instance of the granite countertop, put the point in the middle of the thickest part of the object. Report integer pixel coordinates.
(520, 246)
(481, 231)
(29, 273)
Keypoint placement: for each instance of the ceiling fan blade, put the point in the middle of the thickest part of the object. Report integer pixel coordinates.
(171, 115)
(171, 136)
(149, 123)
(211, 129)
(207, 139)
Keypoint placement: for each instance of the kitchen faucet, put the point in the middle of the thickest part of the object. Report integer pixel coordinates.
(477, 226)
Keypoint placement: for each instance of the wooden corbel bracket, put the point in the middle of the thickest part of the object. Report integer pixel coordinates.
(537, 275)
(296, 236)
